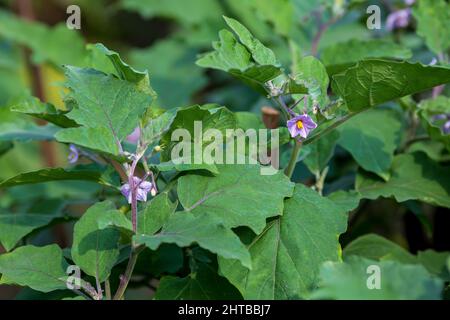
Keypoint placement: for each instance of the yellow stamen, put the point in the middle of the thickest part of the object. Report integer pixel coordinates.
(299, 124)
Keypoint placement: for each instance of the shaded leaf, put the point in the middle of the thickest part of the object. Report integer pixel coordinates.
(287, 255)
(184, 229)
(374, 81)
(40, 268)
(413, 176)
(238, 196)
(95, 251)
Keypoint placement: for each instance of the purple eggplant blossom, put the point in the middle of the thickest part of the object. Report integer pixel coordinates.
(301, 125)
(446, 127)
(73, 155)
(398, 19)
(134, 136)
(143, 188)
(410, 2)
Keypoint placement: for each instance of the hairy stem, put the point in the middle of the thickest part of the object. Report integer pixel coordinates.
(125, 278)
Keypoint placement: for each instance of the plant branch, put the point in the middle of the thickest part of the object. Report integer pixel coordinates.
(125, 278)
(293, 160)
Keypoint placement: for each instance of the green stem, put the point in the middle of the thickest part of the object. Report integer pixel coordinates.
(293, 160)
(128, 273)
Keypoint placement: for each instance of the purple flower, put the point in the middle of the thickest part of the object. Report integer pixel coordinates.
(143, 188)
(398, 19)
(410, 2)
(301, 125)
(446, 127)
(135, 135)
(73, 155)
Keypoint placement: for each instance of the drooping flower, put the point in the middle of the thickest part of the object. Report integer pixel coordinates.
(73, 155)
(144, 187)
(398, 19)
(134, 136)
(446, 127)
(301, 125)
(410, 2)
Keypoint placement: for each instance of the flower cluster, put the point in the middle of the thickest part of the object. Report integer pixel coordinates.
(142, 189)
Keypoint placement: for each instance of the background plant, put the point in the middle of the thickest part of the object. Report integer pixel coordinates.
(372, 178)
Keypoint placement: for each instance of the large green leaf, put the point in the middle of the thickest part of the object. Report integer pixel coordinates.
(80, 173)
(413, 176)
(340, 56)
(156, 214)
(14, 227)
(287, 255)
(433, 24)
(107, 108)
(156, 127)
(372, 138)
(260, 53)
(374, 81)
(46, 111)
(208, 116)
(95, 251)
(310, 76)
(184, 229)
(398, 281)
(238, 196)
(40, 268)
(126, 72)
(26, 131)
(374, 247)
(203, 284)
(247, 59)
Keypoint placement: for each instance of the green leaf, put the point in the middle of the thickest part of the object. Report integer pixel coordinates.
(126, 72)
(346, 200)
(260, 53)
(374, 81)
(169, 166)
(114, 218)
(155, 128)
(398, 281)
(80, 173)
(372, 138)
(100, 139)
(413, 176)
(156, 214)
(184, 229)
(209, 116)
(428, 110)
(342, 55)
(433, 24)
(40, 268)
(374, 247)
(287, 255)
(248, 60)
(204, 284)
(95, 251)
(238, 196)
(46, 111)
(26, 131)
(435, 262)
(310, 76)
(320, 152)
(14, 227)
(107, 108)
